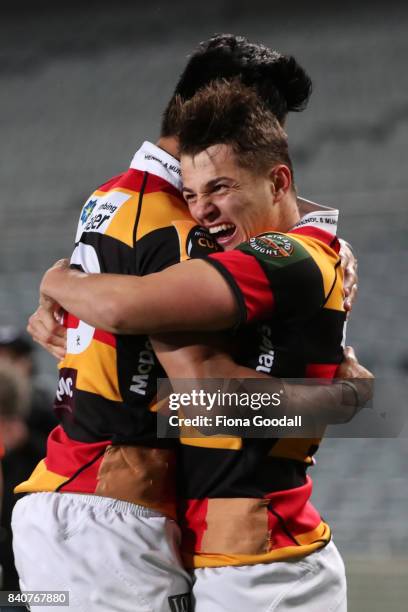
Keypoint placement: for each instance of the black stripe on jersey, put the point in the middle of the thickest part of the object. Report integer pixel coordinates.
(322, 336)
(138, 370)
(139, 206)
(297, 288)
(113, 255)
(96, 419)
(230, 279)
(157, 250)
(249, 472)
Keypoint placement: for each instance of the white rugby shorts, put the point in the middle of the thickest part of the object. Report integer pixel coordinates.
(316, 583)
(112, 556)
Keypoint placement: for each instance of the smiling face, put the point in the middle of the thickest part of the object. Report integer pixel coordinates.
(233, 202)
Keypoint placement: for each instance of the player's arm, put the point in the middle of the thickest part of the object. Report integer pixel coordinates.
(195, 357)
(47, 332)
(349, 264)
(226, 289)
(190, 295)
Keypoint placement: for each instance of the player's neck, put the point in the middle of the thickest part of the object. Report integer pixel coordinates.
(169, 144)
(288, 214)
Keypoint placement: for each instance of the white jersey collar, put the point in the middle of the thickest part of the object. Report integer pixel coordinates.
(150, 158)
(316, 215)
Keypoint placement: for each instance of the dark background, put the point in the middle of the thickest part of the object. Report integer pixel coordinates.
(82, 87)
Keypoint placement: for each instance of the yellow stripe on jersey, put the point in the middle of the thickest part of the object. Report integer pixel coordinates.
(160, 210)
(97, 370)
(336, 298)
(41, 479)
(231, 443)
(183, 227)
(309, 543)
(324, 256)
(122, 225)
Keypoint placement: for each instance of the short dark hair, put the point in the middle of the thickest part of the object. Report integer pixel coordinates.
(278, 79)
(227, 112)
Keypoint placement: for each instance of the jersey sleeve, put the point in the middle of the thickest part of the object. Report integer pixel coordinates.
(275, 276)
(169, 245)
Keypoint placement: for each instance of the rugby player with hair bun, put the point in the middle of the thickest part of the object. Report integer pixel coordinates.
(106, 446)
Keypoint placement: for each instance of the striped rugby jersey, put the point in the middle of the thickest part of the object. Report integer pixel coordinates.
(245, 500)
(136, 223)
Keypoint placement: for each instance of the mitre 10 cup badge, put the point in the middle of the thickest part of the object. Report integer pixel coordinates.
(200, 243)
(274, 245)
(64, 396)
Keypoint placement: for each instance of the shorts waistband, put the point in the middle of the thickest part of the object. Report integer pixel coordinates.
(108, 503)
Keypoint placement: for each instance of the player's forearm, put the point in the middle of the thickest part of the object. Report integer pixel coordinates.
(178, 299)
(334, 402)
(89, 297)
(101, 300)
(327, 403)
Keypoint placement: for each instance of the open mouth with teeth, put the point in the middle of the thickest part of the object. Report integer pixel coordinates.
(223, 232)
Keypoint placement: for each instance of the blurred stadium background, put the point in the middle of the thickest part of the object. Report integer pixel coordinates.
(83, 86)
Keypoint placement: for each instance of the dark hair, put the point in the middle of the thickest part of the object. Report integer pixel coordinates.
(227, 112)
(278, 79)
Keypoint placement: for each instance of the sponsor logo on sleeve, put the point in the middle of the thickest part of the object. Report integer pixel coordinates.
(200, 243)
(274, 245)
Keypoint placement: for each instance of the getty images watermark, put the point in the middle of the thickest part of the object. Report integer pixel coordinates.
(279, 408)
(223, 401)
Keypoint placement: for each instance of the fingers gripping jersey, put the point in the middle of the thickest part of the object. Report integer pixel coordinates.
(136, 223)
(248, 501)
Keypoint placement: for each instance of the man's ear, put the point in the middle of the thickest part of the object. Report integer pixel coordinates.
(281, 181)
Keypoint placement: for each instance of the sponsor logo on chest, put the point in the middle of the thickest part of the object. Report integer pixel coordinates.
(99, 211)
(64, 396)
(145, 365)
(266, 351)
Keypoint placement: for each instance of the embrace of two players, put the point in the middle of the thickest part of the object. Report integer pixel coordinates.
(239, 278)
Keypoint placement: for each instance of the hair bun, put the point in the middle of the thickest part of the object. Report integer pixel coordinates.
(292, 81)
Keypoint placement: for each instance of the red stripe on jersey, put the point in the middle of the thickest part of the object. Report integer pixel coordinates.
(105, 337)
(193, 513)
(290, 513)
(72, 322)
(66, 457)
(321, 370)
(133, 180)
(156, 183)
(252, 282)
(292, 509)
(315, 232)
